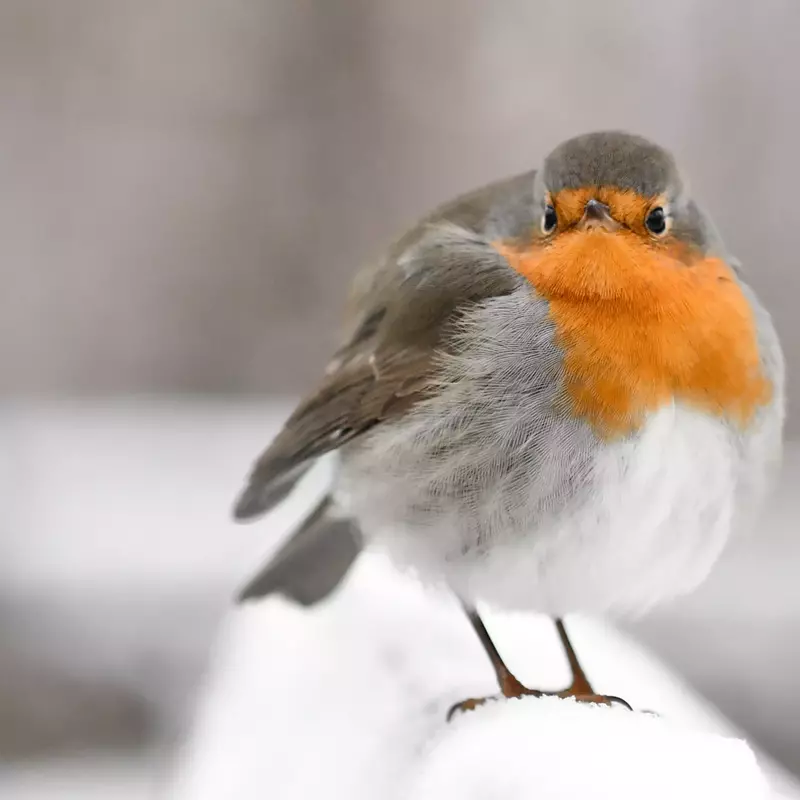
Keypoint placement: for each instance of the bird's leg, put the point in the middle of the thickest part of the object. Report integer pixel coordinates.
(580, 688)
(509, 685)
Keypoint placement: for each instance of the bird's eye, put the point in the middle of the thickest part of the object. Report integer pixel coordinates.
(656, 221)
(549, 220)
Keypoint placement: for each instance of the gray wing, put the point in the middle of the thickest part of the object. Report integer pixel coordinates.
(401, 312)
(388, 367)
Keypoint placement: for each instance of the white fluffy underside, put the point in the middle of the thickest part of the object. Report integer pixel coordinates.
(654, 520)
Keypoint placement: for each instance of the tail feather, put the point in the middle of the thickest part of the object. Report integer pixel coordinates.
(313, 561)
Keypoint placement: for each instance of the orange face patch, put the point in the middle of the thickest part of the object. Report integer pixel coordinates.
(640, 327)
(626, 207)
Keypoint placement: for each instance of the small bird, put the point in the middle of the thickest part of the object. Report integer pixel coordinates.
(555, 393)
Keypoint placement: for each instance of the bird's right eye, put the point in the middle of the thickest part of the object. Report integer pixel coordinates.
(657, 221)
(549, 219)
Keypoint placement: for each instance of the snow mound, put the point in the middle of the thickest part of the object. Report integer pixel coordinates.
(548, 748)
(348, 701)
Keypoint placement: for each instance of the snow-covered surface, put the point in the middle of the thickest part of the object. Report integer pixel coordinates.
(348, 700)
(556, 749)
(119, 561)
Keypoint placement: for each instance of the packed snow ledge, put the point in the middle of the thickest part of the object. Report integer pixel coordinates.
(348, 700)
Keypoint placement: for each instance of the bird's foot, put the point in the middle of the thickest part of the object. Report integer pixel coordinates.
(512, 688)
(509, 687)
(589, 697)
(580, 689)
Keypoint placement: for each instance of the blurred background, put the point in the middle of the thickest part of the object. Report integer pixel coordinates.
(186, 187)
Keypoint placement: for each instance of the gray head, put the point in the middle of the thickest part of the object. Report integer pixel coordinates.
(612, 158)
(620, 181)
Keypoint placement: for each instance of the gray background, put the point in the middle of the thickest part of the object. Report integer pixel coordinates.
(186, 185)
(185, 188)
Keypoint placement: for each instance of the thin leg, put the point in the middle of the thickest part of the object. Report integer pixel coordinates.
(580, 683)
(509, 685)
(580, 688)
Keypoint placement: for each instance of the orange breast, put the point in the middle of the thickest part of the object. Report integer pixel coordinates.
(640, 327)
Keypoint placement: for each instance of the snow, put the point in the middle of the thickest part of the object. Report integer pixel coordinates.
(553, 748)
(348, 700)
(119, 562)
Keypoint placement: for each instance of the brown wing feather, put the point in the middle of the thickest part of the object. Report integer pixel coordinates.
(403, 313)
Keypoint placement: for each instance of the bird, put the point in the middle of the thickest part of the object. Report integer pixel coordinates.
(556, 393)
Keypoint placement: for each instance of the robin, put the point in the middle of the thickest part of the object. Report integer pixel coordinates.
(556, 393)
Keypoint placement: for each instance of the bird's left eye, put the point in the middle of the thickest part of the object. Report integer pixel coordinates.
(656, 221)
(549, 220)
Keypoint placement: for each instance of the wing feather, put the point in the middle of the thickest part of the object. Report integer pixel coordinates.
(403, 314)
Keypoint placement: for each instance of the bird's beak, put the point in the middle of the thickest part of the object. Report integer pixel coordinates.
(597, 215)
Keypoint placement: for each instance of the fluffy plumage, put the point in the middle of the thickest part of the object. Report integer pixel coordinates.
(464, 400)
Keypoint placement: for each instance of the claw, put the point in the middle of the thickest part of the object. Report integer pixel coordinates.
(599, 699)
(612, 698)
(473, 702)
(465, 705)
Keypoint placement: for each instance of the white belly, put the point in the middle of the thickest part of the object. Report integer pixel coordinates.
(649, 525)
